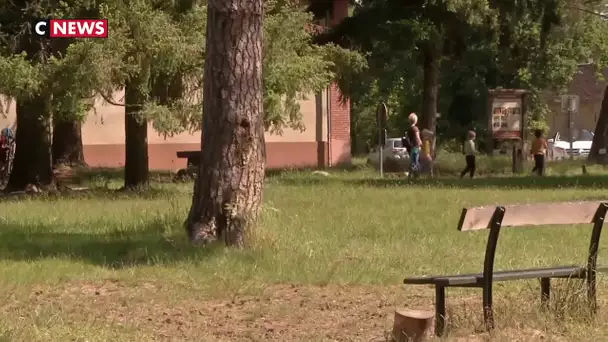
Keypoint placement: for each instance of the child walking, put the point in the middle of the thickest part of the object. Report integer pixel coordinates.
(538, 150)
(469, 155)
(427, 151)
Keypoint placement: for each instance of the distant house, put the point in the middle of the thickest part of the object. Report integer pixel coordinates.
(324, 143)
(590, 90)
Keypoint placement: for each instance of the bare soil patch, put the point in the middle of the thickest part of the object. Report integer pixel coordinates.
(279, 312)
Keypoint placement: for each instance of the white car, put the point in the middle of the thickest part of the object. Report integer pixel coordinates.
(392, 149)
(580, 147)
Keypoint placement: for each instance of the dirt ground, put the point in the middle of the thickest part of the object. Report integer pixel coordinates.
(279, 312)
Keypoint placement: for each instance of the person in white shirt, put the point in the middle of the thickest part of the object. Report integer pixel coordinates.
(469, 155)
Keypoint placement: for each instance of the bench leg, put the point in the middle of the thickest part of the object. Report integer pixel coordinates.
(488, 310)
(545, 291)
(439, 310)
(592, 292)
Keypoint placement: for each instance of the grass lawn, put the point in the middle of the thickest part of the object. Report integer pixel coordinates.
(326, 263)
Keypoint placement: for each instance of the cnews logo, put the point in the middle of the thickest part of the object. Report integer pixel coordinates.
(72, 28)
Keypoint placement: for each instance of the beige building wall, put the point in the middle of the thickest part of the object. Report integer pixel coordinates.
(7, 119)
(103, 135)
(106, 126)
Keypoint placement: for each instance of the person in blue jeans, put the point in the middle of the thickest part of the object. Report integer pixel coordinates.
(413, 135)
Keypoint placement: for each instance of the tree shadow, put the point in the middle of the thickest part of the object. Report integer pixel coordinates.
(100, 174)
(118, 249)
(513, 182)
(92, 193)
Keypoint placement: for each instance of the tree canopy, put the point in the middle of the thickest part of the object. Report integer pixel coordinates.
(536, 45)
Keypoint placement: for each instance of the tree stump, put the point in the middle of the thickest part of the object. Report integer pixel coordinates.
(413, 325)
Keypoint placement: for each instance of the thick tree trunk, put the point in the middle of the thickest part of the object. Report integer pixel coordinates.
(32, 163)
(136, 138)
(228, 190)
(430, 85)
(67, 143)
(600, 139)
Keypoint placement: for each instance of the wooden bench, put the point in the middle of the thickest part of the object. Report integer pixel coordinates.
(193, 157)
(495, 218)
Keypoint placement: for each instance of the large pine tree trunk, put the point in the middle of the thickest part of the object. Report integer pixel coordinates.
(67, 143)
(136, 138)
(228, 190)
(32, 163)
(601, 134)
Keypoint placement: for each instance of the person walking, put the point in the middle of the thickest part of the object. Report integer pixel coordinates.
(469, 155)
(413, 136)
(539, 150)
(426, 163)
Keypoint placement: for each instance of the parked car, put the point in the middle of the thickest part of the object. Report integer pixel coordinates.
(393, 149)
(580, 147)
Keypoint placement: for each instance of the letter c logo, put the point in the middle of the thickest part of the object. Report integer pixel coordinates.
(38, 28)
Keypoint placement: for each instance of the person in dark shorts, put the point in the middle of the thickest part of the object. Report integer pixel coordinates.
(469, 155)
(539, 150)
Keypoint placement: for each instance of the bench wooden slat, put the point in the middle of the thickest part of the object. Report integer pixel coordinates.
(531, 273)
(516, 215)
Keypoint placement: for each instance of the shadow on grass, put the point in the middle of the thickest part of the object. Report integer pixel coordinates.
(94, 193)
(115, 250)
(92, 175)
(529, 182)
(101, 175)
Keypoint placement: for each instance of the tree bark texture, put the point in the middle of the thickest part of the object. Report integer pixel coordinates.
(32, 164)
(136, 135)
(67, 143)
(228, 190)
(600, 139)
(430, 91)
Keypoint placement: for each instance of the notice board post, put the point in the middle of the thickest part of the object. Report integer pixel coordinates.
(506, 122)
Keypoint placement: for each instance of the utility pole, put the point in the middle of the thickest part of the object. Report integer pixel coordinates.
(570, 104)
(381, 115)
(570, 124)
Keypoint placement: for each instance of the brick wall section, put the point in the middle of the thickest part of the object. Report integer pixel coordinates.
(340, 112)
(340, 116)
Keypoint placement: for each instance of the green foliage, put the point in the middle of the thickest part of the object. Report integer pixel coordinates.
(165, 41)
(20, 78)
(535, 45)
(37, 67)
(293, 69)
